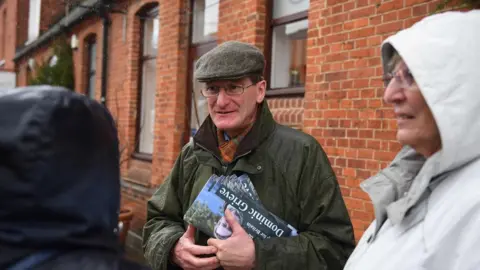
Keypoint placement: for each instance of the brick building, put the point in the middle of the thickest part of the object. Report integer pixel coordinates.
(137, 56)
(8, 37)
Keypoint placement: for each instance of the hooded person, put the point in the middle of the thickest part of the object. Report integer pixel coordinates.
(427, 202)
(60, 182)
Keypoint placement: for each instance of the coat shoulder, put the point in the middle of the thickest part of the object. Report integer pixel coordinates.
(294, 137)
(293, 150)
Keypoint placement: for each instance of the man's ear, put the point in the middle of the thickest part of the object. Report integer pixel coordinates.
(261, 90)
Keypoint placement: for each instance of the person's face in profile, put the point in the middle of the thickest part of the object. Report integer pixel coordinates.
(415, 121)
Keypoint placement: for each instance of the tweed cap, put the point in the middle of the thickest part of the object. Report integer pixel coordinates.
(230, 61)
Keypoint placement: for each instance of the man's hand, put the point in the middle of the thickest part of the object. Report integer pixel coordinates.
(238, 251)
(185, 253)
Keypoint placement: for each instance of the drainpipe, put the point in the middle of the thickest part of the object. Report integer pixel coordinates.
(103, 12)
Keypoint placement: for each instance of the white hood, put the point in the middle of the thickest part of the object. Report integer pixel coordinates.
(438, 52)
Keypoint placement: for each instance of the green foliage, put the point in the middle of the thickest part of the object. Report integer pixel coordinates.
(460, 4)
(62, 73)
(203, 217)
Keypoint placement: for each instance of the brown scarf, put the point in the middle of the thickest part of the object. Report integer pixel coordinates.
(229, 148)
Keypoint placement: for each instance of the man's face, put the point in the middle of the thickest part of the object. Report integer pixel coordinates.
(233, 113)
(416, 125)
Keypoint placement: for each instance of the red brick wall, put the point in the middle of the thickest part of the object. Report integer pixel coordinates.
(244, 21)
(42, 54)
(22, 22)
(50, 13)
(172, 70)
(287, 111)
(343, 99)
(9, 36)
(3, 30)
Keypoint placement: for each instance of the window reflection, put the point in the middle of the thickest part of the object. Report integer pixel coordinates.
(91, 71)
(289, 55)
(205, 20)
(199, 107)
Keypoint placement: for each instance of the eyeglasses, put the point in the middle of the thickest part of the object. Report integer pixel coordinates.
(230, 89)
(403, 77)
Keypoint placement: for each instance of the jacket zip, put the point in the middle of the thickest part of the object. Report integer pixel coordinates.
(226, 167)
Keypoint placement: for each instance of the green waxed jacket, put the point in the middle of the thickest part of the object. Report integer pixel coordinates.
(294, 180)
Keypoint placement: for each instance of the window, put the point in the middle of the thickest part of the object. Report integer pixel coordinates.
(91, 46)
(289, 41)
(205, 20)
(150, 25)
(199, 109)
(34, 20)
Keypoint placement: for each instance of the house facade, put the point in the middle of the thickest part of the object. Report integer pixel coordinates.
(137, 57)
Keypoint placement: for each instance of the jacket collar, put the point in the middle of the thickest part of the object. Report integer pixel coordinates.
(263, 127)
(392, 188)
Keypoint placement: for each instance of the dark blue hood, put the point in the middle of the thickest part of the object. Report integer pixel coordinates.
(59, 171)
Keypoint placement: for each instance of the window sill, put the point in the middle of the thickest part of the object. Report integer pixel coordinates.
(142, 156)
(282, 92)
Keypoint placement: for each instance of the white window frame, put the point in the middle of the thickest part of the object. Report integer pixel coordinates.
(291, 17)
(34, 12)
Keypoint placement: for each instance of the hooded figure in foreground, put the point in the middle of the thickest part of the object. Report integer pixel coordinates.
(427, 202)
(59, 182)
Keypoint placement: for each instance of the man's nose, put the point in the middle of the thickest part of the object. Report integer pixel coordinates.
(222, 98)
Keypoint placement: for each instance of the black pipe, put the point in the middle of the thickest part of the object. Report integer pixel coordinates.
(103, 12)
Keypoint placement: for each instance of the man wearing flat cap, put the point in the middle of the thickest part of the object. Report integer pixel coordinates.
(289, 171)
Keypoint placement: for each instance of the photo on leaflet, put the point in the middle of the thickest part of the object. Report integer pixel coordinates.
(222, 228)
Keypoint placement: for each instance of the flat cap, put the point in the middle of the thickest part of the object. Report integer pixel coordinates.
(230, 60)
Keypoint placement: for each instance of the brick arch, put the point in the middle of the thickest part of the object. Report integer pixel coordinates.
(145, 7)
(91, 36)
(142, 7)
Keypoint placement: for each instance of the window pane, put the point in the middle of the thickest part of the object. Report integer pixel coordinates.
(282, 8)
(147, 113)
(289, 55)
(34, 20)
(205, 20)
(91, 86)
(92, 52)
(151, 29)
(199, 107)
(91, 76)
